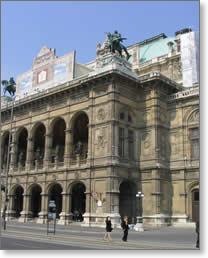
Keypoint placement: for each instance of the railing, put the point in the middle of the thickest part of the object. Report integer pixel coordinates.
(153, 60)
(39, 165)
(56, 164)
(194, 91)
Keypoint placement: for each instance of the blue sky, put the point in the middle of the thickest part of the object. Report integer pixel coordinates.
(67, 26)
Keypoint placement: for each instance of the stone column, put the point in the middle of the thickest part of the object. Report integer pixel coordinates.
(13, 151)
(90, 145)
(90, 127)
(48, 146)
(69, 207)
(68, 146)
(42, 216)
(25, 214)
(29, 154)
(88, 209)
(64, 214)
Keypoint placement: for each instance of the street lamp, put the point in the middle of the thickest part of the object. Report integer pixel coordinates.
(7, 165)
(139, 224)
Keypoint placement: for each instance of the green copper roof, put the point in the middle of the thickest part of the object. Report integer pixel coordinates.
(154, 49)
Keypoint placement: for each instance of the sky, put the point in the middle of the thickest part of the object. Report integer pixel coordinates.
(80, 25)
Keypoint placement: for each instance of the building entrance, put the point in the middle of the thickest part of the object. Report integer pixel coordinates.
(127, 200)
(78, 201)
(195, 205)
(18, 201)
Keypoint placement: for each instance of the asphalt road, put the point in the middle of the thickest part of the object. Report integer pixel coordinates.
(79, 238)
(11, 243)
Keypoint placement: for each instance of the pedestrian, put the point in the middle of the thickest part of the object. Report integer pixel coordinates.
(125, 227)
(108, 229)
(197, 232)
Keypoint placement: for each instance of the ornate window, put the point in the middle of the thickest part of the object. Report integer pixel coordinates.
(121, 142)
(122, 116)
(131, 144)
(194, 141)
(129, 118)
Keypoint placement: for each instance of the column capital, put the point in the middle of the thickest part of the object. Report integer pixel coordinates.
(43, 194)
(26, 195)
(68, 130)
(65, 193)
(48, 135)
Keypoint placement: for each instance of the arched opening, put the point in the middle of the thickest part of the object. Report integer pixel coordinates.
(195, 205)
(55, 195)
(39, 143)
(35, 200)
(78, 201)
(18, 201)
(80, 135)
(58, 143)
(22, 147)
(127, 201)
(4, 150)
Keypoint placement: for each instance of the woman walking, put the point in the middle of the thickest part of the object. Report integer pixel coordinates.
(125, 227)
(108, 229)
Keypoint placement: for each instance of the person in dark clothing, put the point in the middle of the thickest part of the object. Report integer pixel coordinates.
(197, 232)
(125, 228)
(108, 228)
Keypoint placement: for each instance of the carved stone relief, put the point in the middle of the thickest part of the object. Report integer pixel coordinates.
(173, 114)
(174, 141)
(77, 175)
(194, 118)
(163, 145)
(101, 140)
(101, 90)
(101, 114)
(146, 140)
(163, 117)
(35, 179)
(54, 177)
(177, 72)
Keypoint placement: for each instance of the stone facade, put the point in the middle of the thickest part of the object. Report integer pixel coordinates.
(99, 140)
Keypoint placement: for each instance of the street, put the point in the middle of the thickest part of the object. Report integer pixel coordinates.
(34, 236)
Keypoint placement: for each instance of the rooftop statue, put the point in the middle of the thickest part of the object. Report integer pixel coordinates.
(113, 44)
(9, 86)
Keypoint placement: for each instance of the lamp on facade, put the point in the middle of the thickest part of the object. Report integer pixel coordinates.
(139, 225)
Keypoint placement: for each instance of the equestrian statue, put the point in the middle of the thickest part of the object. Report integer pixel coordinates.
(115, 45)
(9, 86)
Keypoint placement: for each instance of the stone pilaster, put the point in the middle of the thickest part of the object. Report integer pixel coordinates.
(10, 212)
(42, 216)
(13, 151)
(25, 214)
(64, 214)
(88, 208)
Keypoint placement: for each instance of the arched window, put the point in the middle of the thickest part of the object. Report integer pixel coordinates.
(58, 140)
(80, 136)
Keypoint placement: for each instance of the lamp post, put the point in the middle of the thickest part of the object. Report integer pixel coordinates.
(139, 225)
(7, 165)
